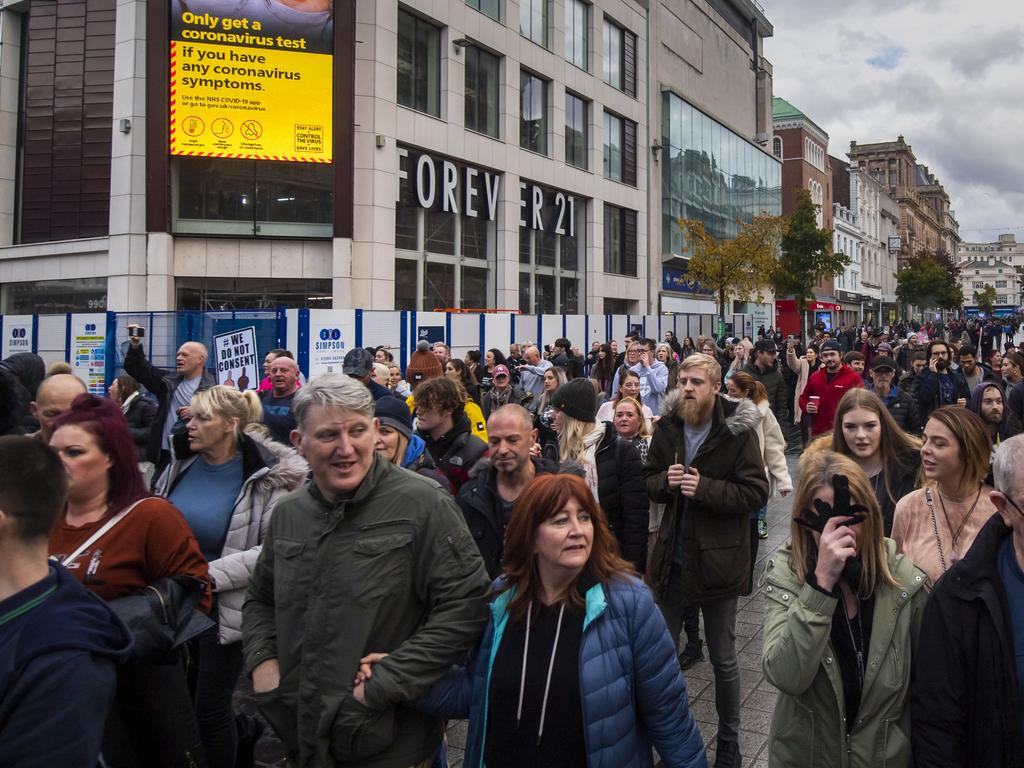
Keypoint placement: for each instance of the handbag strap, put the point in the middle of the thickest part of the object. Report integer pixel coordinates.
(98, 534)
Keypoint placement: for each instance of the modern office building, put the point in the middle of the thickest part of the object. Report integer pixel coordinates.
(417, 155)
(712, 98)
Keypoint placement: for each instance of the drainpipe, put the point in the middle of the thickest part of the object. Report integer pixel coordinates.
(650, 163)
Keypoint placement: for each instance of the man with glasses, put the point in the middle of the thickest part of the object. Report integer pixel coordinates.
(968, 688)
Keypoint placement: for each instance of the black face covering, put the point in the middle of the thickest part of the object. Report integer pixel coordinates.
(852, 514)
(823, 512)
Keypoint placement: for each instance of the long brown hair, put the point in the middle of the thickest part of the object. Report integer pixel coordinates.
(895, 446)
(816, 472)
(752, 388)
(543, 499)
(973, 441)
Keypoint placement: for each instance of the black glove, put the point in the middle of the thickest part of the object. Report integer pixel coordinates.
(853, 513)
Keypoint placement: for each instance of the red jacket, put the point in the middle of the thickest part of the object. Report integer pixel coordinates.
(830, 392)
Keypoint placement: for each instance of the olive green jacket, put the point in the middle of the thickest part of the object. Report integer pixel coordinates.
(809, 722)
(394, 570)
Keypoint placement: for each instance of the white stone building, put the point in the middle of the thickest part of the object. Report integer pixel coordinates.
(996, 264)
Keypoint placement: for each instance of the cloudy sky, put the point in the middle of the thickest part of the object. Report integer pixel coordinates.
(947, 74)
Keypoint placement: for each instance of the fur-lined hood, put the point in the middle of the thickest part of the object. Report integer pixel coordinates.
(740, 415)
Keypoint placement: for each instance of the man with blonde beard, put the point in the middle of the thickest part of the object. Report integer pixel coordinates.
(705, 465)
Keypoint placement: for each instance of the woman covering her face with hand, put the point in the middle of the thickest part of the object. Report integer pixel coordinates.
(842, 614)
(576, 666)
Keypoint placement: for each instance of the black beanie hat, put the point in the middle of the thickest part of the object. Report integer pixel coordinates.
(577, 399)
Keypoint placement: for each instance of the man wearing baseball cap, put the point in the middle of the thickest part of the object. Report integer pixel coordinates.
(764, 366)
(901, 405)
(826, 387)
(358, 363)
(502, 392)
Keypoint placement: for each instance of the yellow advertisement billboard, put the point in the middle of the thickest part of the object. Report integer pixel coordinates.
(252, 79)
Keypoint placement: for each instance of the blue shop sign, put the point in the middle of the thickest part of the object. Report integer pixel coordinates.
(674, 279)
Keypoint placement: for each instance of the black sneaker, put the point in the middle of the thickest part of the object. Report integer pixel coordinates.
(727, 754)
(692, 654)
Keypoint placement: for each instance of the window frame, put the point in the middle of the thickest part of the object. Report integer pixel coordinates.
(625, 221)
(624, 55)
(570, 155)
(432, 109)
(544, 121)
(526, 13)
(477, 52)
(476, 5)
(571, 27)
(625, 130)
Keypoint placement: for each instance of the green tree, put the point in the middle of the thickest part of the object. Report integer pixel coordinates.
(737, 266)
(925, 282)
(807, 255)
(985, 299)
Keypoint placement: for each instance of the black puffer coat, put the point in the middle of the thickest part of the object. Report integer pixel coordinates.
(965, 705)
(620, 490)
(775, 383)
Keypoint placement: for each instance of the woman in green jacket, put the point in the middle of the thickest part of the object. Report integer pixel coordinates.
(842, 613)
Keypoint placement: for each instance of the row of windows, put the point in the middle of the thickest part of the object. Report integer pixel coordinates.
(419, 87)
(817, 197)
(814, 154)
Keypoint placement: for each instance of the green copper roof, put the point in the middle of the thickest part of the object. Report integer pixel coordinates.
(782, 110)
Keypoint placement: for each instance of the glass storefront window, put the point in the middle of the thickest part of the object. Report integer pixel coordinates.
(246, 198)
(52, 297)
(711, 174)
(440, 232)
(474, 288)
(552, 268)
(438, 285)
(226, 293)
(405, 284)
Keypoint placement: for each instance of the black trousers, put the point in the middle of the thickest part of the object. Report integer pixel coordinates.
(217, 670)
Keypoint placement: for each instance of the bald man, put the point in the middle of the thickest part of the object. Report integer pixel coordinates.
(173, 390)
(277, 402)
(53, 397)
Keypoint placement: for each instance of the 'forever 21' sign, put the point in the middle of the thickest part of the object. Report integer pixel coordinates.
(546, 210)
(442, 184)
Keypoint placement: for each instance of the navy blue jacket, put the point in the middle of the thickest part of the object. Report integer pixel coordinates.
(631, 690)
(59, 645)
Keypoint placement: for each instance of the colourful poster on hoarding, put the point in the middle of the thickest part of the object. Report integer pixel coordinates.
(88, 353)
(252, 79)
(237, 358)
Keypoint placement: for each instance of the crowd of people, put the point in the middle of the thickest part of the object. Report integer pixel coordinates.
(541, 541)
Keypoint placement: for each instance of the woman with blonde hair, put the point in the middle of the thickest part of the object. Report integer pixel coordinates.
(773, 451)
(842, 614)
(226, 479)
(866, 432)
(936, 525)
(544, 415)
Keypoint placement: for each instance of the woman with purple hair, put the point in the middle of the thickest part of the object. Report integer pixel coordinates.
(142, 539)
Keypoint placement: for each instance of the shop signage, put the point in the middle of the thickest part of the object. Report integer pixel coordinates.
(250, 81)
(237, 358)
(675, 279)
(895, 243)
(443, 184)
(546, 210)
(18, 335)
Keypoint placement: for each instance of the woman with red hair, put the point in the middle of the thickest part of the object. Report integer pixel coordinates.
(152, 722)
(576, 666)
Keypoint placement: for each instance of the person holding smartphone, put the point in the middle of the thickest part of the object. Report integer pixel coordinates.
(172, 389)
(939, 384)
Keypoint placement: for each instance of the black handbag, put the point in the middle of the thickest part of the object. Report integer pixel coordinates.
(163, 616)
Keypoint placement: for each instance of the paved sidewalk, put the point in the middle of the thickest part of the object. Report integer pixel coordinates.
(758, 696)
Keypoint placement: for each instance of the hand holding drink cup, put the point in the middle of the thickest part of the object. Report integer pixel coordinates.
(812, 403)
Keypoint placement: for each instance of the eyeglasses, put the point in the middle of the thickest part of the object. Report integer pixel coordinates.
(1013, 504)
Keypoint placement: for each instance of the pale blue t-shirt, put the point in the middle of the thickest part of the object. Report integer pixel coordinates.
(206, 497)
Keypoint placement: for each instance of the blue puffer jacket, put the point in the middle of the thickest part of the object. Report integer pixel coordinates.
(632, 692)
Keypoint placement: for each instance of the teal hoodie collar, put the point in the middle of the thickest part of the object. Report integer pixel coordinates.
(595, 602)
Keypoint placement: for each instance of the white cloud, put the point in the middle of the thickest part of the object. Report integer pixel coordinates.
(946, 75)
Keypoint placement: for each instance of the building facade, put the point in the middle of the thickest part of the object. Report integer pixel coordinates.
(927, 222)
(486, 154)
(997, 264)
